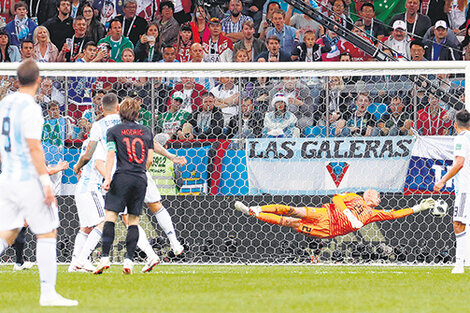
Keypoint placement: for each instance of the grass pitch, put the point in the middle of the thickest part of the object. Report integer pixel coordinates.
(178, 288)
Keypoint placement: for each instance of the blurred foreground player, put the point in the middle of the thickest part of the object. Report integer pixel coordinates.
(346, 214)
(460, 169)
(24, 172)
(132, 146)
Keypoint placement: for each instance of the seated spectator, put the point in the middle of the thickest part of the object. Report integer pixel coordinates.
(73, 46)
(133, 26)
(169, 54)
(302, 23)
(27, 50)
(438, 48)
(285, 33)
(433, 119)
(116, 41)
(8, 53)
(345, 57)
(399, 41)
(148, 46)
(42, 10)
(416, 23)
(199, 25)
(184, 43)
(44, 49)
(274, 52)
(95, 30)
(267, 24)
(253, 45)
(373, 27)
(61, 26)
(242, 56)
(260, 93)
(361, 122)
(89, 52)
(280, 122)
(299, 100)
(308, 50)
(417, 51)
(127, 56)
(330, 39)
(167, 24)
(333, 99)
(103, 53)
(217, 48)
(232, 24)
(191, 92)
(171, 122)
(397, 122)
(22, 27)
(226, 97)
(207, 123)
(247, 124)
(196, 53)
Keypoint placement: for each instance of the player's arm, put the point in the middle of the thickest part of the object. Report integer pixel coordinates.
(100, 167)
(149, 158)
(59, 167)
(456, 167)
(162, 151)
(86, 157)
(338, 201)
(110, 157)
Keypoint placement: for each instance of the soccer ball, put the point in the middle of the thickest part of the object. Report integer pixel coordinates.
(440, 208)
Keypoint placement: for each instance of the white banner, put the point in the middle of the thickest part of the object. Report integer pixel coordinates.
(327, 165)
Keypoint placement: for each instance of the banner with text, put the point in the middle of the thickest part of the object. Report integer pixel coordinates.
(303, 166)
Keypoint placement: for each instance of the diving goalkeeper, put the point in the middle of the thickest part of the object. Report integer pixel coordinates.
(346, 214)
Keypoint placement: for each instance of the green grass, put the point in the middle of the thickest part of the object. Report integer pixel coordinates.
(241, 289)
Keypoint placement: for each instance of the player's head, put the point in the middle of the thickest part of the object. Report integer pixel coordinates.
(129, 110)
(462, 120)
(372, 197)
(28, 74)
(110, 103)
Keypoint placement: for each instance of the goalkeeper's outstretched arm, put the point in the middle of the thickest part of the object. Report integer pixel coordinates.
(382, 215)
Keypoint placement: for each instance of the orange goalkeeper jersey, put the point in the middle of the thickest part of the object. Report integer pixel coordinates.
(339, 223)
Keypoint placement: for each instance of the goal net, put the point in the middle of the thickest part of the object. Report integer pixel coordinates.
(263, 133)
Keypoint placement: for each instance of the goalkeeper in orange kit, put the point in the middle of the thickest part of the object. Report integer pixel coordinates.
(346, 214)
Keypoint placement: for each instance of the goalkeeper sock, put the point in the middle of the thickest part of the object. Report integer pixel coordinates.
(271, 218)
(108, 237)
(3, 245)
(460, 247)
(46, 256)
(164, 220)
(92, 241)
(80, 241)
(278, 209)
(131, 241)
(143, 243)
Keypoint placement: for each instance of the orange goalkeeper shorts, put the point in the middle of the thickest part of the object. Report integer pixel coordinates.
(316, 223)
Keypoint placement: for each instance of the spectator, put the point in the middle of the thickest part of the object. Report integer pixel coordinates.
(56, 120)
(345, 57)
(8, 53)
(455, 11)
(48, 92)
(433, 120)
(27, 50)
(302, 22)
(397, 122)
(103, 53)
(338, 15)
(41, 9)
(330, 39)
(285, 33)
(354, 52)
(242, 56)
(169, 54)
(416, 23)
(148, 46)
(232, 24)
(183, 45)
(334, 100)
(267, 24)
(436, 9)
(309, 50)
(199, 25)
(196, 52)
(133, 26)
(254, 9)
(417, 51)
(73, 47)
(217, 48)
(374, 28)
(260, 93)
(116, 41)
(274, 52)
(60, 26)
(167, 24)
(172, 121)
(399, 41)
(76, 8)
(22, 27)
(226, 97)
(253, 45)
(95, 30)
(247, 124)
(107, 11)
(127, 56)
(44, 49)
(439, 48)
(95, 112)
(133, 85)
(280, 122)
(191, 92)
(361, 122)
(207, 123)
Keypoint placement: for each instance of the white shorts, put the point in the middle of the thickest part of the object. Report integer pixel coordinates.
(462, 207)
(90, 208)
(20, 201)
(152, 194)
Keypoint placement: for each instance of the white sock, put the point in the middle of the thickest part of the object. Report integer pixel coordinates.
(3, 245)
(80, 240)
(460, 247)
(164, 220)
(92, 241)
(46, 257)
(143, 243)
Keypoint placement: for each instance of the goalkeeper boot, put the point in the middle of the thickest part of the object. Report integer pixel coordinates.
(56, 300)
(151, 263)
(128, 266)
(103, 265)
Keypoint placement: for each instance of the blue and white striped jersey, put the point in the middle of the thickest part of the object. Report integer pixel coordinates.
(90, 178)
(20, 119)
(99, 129)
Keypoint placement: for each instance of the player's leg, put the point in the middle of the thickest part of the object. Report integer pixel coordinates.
(461, 238)
(20, 263)
(279, 220)
(131, 242)
(277, 209)
(12, 217)
(79, 242)
(92, 241)
(7, 238)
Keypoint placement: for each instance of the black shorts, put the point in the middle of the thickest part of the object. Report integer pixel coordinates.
(126, 191)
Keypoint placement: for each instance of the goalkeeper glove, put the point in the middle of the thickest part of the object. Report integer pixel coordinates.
(355, 223)
(425, 204)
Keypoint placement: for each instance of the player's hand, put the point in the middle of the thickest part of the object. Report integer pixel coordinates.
(63, 165)
(106, 185)
(438, 186)
(425, 204)
(75, 169)
(180, 160)
(49, 197)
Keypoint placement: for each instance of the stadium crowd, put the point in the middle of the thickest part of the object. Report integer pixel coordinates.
(241, 31)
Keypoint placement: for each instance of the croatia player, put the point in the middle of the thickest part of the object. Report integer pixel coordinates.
(24, 172)
(460, 169)
(346, 214)
(131, 145)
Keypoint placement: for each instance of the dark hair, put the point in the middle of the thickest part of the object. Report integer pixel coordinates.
(21, 4)
(79, 18)
(28, 73)
(417, 43)
(6, 57)
(88, 44)
(53, 103)
(113, 21)
(273, 2)
(273, 37)
(26, 41)
(345, 53)
(60, 1)
(109, 101)
(129, 109)
(166, 3)
(462, 118)
(97, 91)
(368, 4)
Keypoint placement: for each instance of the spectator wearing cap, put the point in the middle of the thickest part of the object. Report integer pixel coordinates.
(172, 121)
(417, 51)
(148, 46)
(280, 122)
(232, 24)
(191, 92)
(253, 45)
(22, 27)
(116, 41)
(374, 28)
(133, 26)
(285, 33)
(416, 23)
(399, 41)
(183, 45)
(438, 48)
(61, 26)
(167, 24)
(217, 48)
(274, 52)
